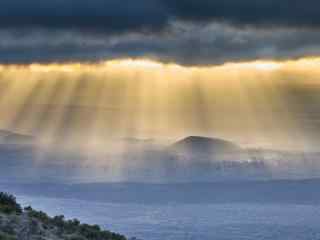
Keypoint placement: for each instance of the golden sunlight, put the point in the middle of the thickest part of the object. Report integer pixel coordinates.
(91, 103)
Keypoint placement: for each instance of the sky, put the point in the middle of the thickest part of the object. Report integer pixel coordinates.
(96, 70)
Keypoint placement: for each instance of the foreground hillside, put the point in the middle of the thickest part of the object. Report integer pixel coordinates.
(27, 224)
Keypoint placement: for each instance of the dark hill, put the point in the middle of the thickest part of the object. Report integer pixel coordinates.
(204, 145)
(7, 137)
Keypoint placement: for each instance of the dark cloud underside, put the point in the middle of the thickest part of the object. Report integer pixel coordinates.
(186, 31)
(128, 15)
(95, 15)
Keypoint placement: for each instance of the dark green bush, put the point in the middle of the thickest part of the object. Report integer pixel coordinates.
(59, 221)
(41, 216)
(71, 226)
(8, 204)
(29, 208)
(76, 238)
(5, 236)
(93, 232)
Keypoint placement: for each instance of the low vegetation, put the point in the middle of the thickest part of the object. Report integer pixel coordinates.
(28, 224)
(8, 204)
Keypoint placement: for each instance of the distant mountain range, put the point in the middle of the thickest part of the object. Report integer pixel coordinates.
(191, 159)
(7, 137)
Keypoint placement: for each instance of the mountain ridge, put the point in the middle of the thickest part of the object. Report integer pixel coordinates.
(204, 145)
(9, 137)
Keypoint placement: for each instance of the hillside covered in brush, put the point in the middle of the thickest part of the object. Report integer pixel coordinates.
(17, 223)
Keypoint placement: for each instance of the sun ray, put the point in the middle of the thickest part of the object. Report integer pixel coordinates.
(98, 102)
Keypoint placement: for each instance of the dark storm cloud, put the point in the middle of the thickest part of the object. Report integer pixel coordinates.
(93, 15)
(131, 15)
(186, 44)
(184, 31)
(294, 13)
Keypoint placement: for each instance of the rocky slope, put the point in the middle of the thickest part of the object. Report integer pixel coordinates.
(27, 224)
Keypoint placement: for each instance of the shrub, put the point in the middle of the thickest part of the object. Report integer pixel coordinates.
(41, 216)
(29, 208)
(71, 226)
(59, 221)
(75, 222)
(8, 204)
(76, 238)
(5, 236)
(93, 232)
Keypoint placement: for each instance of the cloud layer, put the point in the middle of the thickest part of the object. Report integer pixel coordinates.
(183, 31)
(128, 15)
